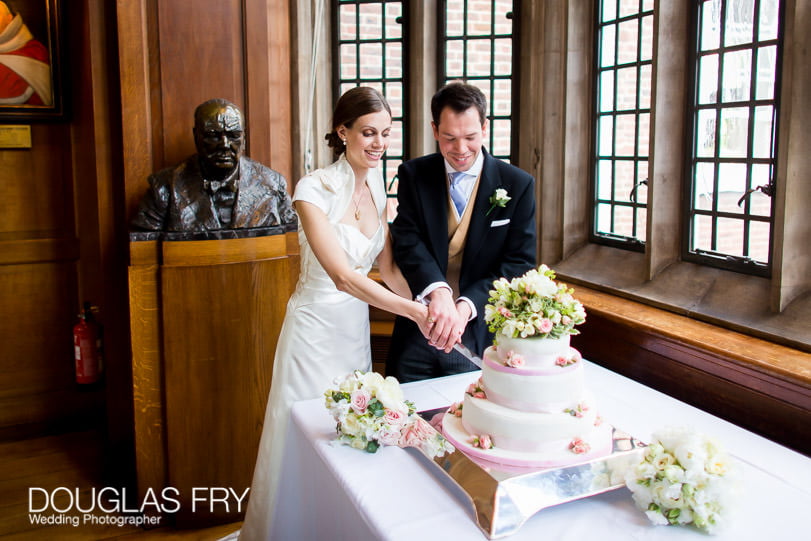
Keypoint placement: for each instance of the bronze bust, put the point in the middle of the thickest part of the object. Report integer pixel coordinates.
(217, 188)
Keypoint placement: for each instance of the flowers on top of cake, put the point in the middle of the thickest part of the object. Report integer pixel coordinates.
(533, 305)
(683, 478)
(371, 411)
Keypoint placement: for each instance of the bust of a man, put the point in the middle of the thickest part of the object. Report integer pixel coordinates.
(217, 188)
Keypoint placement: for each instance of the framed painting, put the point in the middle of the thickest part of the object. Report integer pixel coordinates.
(31, 61)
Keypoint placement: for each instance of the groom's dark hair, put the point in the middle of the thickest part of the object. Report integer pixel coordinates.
(459, 96)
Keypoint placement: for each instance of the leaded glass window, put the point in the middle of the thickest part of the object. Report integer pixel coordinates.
(734, 130)
(477, 47)
(622, 121)
(369, 49)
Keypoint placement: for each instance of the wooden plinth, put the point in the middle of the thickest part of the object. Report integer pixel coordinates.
(205, 316)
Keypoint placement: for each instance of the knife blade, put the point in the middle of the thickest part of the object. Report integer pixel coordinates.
(463, 349)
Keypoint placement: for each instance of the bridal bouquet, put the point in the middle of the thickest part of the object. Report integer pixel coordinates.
(684, 478)
(371, 411)
(533, 305)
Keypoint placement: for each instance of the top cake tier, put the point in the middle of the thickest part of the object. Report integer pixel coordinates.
(536, 353)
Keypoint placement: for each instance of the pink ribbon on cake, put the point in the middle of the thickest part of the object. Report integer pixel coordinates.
(498, 366)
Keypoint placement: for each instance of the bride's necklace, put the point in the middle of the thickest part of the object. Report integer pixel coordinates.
(357, 203)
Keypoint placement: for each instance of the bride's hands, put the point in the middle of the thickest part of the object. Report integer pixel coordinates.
(424, 320)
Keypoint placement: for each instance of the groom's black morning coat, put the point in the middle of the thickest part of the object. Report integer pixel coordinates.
(498, 244)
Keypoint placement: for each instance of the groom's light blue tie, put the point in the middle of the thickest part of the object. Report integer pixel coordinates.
(457, 196)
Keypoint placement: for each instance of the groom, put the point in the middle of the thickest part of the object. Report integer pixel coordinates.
(464, 219)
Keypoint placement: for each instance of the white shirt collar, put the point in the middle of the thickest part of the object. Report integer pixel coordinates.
(474, 170)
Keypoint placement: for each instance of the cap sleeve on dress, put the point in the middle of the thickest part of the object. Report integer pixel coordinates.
(312, 190)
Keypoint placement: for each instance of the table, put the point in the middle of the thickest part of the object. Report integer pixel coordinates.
(335, 492)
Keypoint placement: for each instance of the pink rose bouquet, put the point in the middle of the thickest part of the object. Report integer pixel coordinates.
(371, 411)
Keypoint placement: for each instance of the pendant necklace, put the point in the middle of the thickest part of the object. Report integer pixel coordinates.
(357, 205)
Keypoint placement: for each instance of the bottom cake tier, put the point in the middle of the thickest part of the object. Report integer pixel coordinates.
(597, 444)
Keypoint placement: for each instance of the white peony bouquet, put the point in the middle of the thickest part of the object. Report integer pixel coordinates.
(371, 411)
(684, 478)
(533, 305)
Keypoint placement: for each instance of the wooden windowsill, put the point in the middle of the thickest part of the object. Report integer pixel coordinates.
(776, 359)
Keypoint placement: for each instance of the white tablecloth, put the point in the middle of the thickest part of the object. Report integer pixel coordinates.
(338, 493)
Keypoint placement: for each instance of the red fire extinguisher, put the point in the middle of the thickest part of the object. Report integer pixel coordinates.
(87, 347)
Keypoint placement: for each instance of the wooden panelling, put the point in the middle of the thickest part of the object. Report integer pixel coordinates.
(38, 289)
(37, 368)
(211, 252)
(36, 192)
(36, 324)
(136, 111)
(57, 228)
(37, 250)
(200, 47)
(147, 252)
(221, 324)
(147, 375)
(268, 67)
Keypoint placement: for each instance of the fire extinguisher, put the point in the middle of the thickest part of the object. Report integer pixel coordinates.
(87, 347)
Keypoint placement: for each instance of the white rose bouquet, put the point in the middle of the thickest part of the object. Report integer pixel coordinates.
(533, 305)
(684, 478)
(371, 411)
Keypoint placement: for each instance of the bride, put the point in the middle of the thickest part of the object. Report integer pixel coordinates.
(325, 333)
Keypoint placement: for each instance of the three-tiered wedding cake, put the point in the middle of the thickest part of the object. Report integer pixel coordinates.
(531, 406)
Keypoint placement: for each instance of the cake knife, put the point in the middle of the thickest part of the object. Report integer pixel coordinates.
(461, 348)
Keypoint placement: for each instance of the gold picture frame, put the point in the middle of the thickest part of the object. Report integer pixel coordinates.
(31, 61)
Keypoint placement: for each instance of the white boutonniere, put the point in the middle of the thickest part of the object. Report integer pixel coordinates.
(498, 199)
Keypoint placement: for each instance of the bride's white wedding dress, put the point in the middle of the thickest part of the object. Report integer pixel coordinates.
(325, 333)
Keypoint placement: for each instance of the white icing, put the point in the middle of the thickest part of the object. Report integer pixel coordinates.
(547, 391)
(499, 458)
(525, 431)
(536, 352)
(536, 407)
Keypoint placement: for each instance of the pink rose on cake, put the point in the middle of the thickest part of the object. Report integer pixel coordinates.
(565, 361)
(514, 360)
(482, 441)
(476, 390)
(455, 409)
(579, 447)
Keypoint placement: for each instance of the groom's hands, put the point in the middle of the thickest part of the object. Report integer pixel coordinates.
(449, 319)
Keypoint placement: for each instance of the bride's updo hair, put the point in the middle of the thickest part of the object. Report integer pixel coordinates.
(353, 104)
